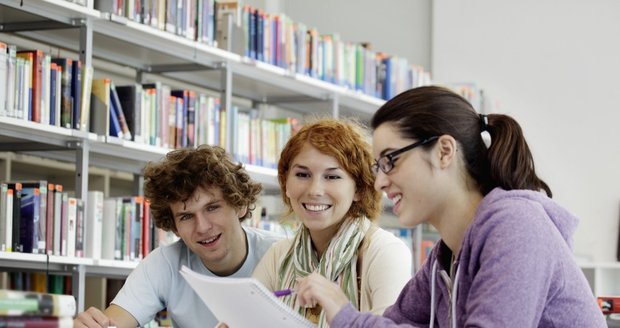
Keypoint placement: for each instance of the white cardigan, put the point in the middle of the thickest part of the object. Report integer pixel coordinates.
(386, 268)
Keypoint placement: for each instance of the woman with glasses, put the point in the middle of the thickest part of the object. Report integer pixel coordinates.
(504, 258)
(326, 180)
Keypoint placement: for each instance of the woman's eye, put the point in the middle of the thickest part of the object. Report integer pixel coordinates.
(333, 177)
(302, 174)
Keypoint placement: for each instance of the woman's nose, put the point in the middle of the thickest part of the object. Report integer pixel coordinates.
(381, 181)
(316, 187)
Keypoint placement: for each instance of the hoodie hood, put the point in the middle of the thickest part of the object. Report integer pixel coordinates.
(564, 221)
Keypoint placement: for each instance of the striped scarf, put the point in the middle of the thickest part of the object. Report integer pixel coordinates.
(338, 263)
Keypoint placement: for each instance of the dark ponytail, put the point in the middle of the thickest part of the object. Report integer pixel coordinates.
(434, 111)
(512, 165)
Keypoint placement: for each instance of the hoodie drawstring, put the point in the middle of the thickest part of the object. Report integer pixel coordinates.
(454, 289)
(433, 278)
(452, 298)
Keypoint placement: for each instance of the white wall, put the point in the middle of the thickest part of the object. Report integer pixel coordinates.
(555, 67)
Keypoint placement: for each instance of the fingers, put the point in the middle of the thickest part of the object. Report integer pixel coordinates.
(221, 325)
(91, 318)
(315, 289)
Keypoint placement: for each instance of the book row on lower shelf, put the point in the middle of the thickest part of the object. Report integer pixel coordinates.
(36, 309)
(39, 217)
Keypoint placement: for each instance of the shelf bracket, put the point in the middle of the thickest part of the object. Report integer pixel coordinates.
(138, 184)
(78, 283)
(226, 99)
(335, 106)
(82, 150)
(86, 45)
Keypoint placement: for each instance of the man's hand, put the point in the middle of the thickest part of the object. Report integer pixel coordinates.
(92, 318)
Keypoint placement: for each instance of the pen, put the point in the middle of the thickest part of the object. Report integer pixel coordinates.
(283, 292)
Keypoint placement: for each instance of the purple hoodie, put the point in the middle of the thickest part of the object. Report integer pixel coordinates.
(515, 269)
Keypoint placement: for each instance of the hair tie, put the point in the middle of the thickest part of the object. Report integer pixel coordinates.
(484, 122)
(484, 130)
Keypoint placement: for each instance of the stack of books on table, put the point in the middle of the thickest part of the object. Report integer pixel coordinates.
(36, 310)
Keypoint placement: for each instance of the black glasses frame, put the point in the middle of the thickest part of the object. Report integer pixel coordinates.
(387, 161)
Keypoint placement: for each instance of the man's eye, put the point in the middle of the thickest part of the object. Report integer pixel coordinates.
(212, 208)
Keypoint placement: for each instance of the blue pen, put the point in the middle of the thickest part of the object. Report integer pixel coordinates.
(284, 292)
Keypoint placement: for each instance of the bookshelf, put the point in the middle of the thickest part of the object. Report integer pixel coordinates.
(101, 38)
(86, 158)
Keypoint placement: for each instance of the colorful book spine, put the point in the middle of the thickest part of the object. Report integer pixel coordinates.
(23, 303)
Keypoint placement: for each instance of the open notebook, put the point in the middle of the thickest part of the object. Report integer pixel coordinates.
(243, 302)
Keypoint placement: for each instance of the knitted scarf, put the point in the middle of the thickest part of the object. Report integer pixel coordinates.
(338, 263)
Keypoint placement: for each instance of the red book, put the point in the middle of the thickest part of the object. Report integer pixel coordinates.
(36, 56)
(36, 322)
(609, 304)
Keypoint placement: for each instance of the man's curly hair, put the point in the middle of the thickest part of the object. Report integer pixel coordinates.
(176, 177)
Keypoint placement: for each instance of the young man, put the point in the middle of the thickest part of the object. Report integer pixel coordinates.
(203, 197)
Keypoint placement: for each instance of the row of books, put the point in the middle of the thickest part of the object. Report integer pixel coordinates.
(191, 19)
(37, 87)
(39, 217)
(36, 309)
(276, 39)
(37, 282)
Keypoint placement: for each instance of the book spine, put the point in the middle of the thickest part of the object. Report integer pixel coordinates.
(22, 303)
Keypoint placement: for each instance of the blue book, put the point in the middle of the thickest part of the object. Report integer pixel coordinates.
(115, 104)
(115, 127)
(76, 90)
(260, 30)
(29, 222)
(53, 77)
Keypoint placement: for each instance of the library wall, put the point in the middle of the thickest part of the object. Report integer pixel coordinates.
(554, 67)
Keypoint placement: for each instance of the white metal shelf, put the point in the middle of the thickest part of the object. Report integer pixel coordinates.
(65, 265)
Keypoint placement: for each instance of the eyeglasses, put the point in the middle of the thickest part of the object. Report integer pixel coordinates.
(386, 162)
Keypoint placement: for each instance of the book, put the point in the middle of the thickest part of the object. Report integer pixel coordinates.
(76, 92)
(29, 219)
(100, 107)
(94, 224)
(23, 303)
(225, 296)
(130, 97)
(116, 106)
(36, 322)
(6, 218)
(66, 98)
(609, 304)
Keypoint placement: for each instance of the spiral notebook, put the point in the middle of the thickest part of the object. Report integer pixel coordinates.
(243, 302)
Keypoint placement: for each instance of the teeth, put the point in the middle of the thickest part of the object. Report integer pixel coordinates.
(396, 198)
(209, 240)
(317, 207)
